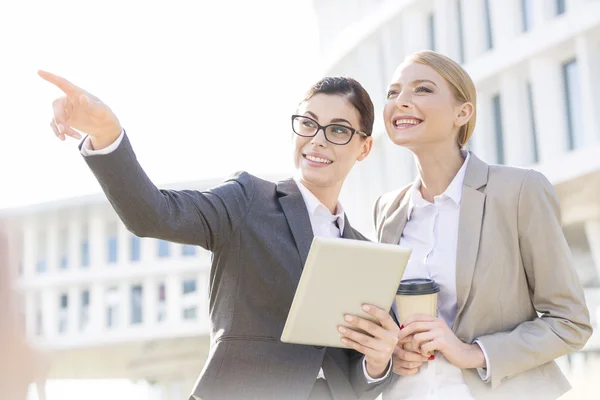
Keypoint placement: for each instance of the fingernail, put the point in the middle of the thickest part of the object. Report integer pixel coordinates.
(401, 327)
(342, 329)
(61, 128)
(349, 318)
(431, 358)
(366, 308)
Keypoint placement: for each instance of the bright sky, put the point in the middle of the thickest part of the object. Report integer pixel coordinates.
(203, 88)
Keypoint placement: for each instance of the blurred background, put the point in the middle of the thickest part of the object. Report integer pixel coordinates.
(205, 89)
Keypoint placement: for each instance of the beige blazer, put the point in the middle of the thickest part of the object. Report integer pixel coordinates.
(518, 292)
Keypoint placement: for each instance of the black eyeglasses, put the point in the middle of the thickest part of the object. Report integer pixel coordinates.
(334, 133)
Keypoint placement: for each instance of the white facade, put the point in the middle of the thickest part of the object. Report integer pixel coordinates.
(106, 304)
(536, 66)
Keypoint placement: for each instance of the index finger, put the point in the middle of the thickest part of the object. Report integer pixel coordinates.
(61, 83)
(384, 317)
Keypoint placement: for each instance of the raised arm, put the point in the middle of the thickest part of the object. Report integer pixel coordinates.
(206, 218)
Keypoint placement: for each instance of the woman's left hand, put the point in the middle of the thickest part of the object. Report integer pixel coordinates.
(379, 342)
(431, 334)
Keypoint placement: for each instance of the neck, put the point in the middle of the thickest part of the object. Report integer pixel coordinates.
(437, 165)
(327, 195)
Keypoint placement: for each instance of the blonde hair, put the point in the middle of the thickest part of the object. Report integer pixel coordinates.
(459, 81)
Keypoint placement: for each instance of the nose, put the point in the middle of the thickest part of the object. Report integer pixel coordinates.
(404, 100)
(319, 138)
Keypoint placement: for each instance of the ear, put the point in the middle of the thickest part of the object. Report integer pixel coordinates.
(464, 113)
(365, 148)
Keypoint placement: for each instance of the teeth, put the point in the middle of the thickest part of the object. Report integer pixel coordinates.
(319, 160)
(407, 121)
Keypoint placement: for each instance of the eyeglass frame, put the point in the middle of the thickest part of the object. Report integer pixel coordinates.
(324, 129)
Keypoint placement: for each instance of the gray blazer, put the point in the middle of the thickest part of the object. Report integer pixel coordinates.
(259, 233)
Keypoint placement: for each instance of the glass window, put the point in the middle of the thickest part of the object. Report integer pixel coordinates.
(84, 316)
(112, 307)
(163, 248)
(188, 250)
(85, 247)
(111, 243)
(63, 248)
(534, 141)
(63, 313)
(461, 34)
(162, 303)
(488, 25)
(42, 250)
(527, 14)
(561, 6)
(39, 318)
(189, 286)
(575, 132)
(136, 304)
(497, 115)
(135, 249)
(431, 28)
(190, 313)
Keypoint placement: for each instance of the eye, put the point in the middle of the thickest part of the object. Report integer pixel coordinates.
(425, 89)
(308, 123)
(391, 93)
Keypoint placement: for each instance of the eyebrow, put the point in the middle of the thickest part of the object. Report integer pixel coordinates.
(417, 82)
(333, 121)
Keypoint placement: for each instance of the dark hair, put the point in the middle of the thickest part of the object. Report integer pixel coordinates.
(353, 92)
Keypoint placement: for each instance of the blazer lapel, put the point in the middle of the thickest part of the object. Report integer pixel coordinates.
(294, 208)
(393, 225)
(472, 208)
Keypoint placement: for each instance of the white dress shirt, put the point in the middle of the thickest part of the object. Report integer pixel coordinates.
(431, 231)
(322, 221)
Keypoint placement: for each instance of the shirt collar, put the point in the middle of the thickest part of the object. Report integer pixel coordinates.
(316, 208)
(453, 191)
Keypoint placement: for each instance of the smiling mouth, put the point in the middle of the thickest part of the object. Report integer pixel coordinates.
(318, 159)
(406, 122)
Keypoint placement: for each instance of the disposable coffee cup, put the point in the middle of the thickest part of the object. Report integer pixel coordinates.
(416, 296)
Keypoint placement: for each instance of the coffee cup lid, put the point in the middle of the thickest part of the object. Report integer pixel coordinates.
(414, 287)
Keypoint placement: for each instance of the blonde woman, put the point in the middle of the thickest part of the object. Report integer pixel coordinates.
(490, 235)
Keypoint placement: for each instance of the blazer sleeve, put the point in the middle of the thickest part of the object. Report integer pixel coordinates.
(563, 325)
(362, 387)
(205, 218)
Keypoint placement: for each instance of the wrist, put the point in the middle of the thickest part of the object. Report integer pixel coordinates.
(103, 141)
(376, 371)
(477, 356)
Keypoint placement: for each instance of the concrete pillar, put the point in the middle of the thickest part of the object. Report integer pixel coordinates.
(518, 146)
(415, 33)
(97, 238)
(123, 244)
(29, 251)
(52, 243)
(74, 306)
(588, 63)
(75, 227)
(483, 141)
(173, 299)
(542, 11)
(97, 310)
(446, 28)
(474, 28)
(150, 299)
(49, 304)
(506, 19)
(592, 230)
(549, 106)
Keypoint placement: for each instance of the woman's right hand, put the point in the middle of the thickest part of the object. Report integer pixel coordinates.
(81, 111)
(407, 360)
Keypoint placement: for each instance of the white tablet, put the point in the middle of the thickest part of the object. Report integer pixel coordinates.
(340, 276)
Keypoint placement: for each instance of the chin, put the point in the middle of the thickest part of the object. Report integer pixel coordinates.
(315, 178)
